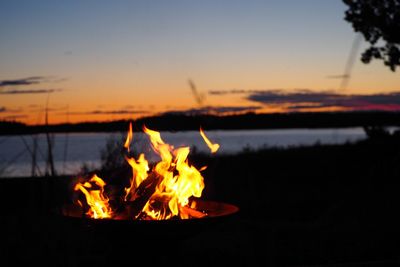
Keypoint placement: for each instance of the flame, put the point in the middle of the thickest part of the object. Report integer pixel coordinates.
(168, 187)
(129, 137)
(95, 198)
(179, 182)
(139, 174)
(213, 147)
(139, 168)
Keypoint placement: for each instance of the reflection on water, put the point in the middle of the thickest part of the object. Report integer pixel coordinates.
(73, 150)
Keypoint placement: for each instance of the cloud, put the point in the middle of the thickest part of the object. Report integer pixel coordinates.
(340, 76)
(116, 112)
(232, 91)
(37, 108)
(108, 112)
(29, 91)
(307, 99)
(23, 81)
(11, 114)
(214, 110)
(13, 117)
(8, 110)
(228, 109)
(299, 96)
(16, 84)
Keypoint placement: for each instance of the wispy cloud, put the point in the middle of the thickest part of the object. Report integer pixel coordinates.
(109, 112)
(38, 108)
(29, 91)
(230, 92)
(340, 76)
(299, 96)
(8, 110)
(13, 117)
(312, 100)
(19, 86)
(11, 114)
(214, 110)
(301, 99)
(23, 81)
(230, 109)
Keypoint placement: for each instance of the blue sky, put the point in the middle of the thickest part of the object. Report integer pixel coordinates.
(112, 55)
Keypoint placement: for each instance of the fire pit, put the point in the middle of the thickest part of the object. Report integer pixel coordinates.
(163, 198)
(214, 210)
(217, 213)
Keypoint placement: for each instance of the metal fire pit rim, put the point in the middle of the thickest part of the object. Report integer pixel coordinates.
(221, 210)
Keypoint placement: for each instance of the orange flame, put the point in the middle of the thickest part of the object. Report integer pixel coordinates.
(177, 182)
(213, 147)
(129, 137)
(95, 198)
(139, 167)
(139, 174)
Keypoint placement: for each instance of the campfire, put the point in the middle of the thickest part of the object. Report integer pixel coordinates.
(169, 189)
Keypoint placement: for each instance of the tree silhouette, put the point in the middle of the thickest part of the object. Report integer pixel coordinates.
(379, 22)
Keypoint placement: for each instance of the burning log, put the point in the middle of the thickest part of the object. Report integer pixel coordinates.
(159, 193)
(142, 195)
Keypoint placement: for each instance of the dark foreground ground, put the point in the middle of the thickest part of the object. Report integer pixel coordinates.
(316, 206)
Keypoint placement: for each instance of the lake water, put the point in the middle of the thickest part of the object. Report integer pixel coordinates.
(71, 151)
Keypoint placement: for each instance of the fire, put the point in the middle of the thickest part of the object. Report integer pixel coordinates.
(95, 198)
(162, 192)
(140, 167)
(213, 147)
(129, 137)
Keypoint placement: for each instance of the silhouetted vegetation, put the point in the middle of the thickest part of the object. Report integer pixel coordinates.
(112, 155)
(379, 22)
(317, 205)
(181, 122)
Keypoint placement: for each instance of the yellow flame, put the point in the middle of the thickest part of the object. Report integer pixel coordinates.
(129, 137)
(140, 168)
(213, 147)
(158, 145)
(178, 182)
(95, 198)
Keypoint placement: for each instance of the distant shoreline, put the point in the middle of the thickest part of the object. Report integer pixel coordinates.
(249, 121)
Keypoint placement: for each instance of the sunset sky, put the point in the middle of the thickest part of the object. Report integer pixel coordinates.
(105, 60)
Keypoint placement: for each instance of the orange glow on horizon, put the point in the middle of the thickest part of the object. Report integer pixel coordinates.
(95, 102)
(54, 120)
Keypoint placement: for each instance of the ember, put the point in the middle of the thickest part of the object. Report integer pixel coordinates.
(165, 191)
